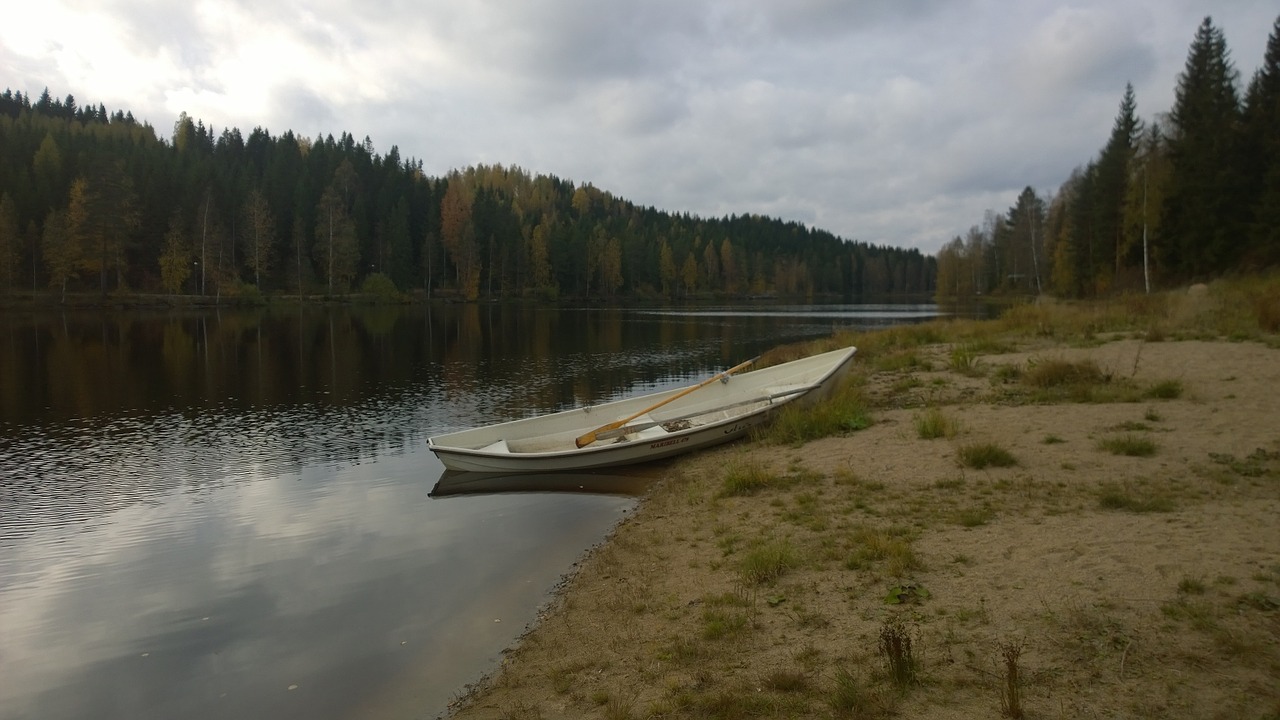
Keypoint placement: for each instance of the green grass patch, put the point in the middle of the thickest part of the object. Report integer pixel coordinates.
(964, 360)
(1191, 586)
(1165, 390)
(1128, 445)
(718, 623)
(848, 410)
(984, 455)
(768, 561)
(883, 343)
(746, 478)
(890, 549)
(1054, 380)
(899, 360)
(1055, 373)
(933, 424)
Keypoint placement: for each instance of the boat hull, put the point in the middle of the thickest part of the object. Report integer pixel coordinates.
(719, 413)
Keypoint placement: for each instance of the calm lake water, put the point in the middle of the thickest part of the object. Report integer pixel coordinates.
(230, 514)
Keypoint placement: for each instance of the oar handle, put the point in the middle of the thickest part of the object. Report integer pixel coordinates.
(588, 438)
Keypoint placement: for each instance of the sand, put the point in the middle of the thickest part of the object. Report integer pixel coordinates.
(1131, 586)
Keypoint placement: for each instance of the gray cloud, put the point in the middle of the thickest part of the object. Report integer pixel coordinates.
(890, 122)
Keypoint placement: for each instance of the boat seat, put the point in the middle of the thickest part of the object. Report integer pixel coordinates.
(645, 434)
(498, 447)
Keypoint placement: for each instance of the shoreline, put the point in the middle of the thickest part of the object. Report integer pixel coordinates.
(1132, 583)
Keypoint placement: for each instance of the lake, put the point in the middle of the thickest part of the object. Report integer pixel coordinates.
(223, 514)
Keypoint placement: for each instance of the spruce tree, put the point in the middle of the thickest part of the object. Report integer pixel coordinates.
(1260, 156)
(1111, 188)
(1202, 221)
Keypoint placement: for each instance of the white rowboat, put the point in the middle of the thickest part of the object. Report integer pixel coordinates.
(658, 425)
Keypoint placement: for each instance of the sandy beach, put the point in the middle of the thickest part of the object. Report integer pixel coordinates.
(1121, 559)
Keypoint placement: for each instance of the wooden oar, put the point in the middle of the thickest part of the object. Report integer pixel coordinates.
(592, 436)
(628, 429)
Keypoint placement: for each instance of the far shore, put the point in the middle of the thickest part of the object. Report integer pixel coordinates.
(52, 300)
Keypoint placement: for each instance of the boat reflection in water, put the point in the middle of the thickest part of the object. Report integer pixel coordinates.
(632, 482)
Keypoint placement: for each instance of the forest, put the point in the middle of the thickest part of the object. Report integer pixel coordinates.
(98, 203)
(1191, 195)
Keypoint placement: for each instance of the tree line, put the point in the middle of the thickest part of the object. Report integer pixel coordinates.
(92, 201)
(1192, 194)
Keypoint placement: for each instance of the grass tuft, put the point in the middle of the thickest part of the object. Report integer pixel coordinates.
(1062, 373)
(984, 455)
(850, 699)
(768, 561)
(892, 548)
(1115, 498)
(1128, 445)
(1191, 586)
(787, 681)
(974, 517)
(745, 478)
(934, 423)
(964, 360)
(718, 623)
(1165, 390)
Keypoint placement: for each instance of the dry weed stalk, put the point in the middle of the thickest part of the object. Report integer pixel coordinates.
(1011, 692)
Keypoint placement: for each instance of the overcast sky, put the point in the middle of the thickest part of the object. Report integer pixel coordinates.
(889, 121)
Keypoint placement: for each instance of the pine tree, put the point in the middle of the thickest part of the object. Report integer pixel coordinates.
(1201, 219)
